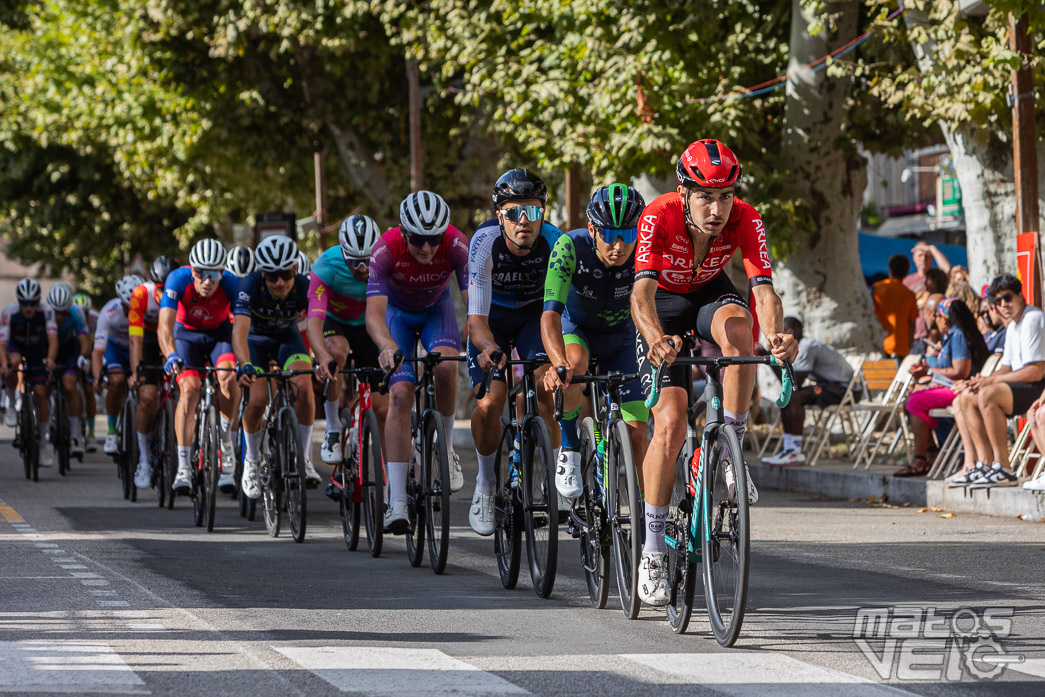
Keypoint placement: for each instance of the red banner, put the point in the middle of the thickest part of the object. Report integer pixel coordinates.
(1028, 266)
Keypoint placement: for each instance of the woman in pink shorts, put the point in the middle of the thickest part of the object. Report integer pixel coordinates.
(962, 353)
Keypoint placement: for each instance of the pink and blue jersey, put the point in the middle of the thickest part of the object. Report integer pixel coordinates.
(412, 286)
(196, 312)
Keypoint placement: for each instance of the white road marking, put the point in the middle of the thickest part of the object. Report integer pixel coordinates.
(67, 667)
(1030, 666)
(381, 671)
(764, 674)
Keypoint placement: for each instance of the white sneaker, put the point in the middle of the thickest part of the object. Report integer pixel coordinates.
(396, 520)
(965, 478)
(330, 448)
(310, 472)
(11, 418)
(112, 444)
(727, 475)
(568, 474)
(792, 457)
(143, 475)
(250, 483)
(182, 483)
(1037, 484)
(75, 446)
(228, 456)
(480, 515)
(46, 455)
(653, 580)
(456, 473)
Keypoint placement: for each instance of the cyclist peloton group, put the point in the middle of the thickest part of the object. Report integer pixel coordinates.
(622, 292)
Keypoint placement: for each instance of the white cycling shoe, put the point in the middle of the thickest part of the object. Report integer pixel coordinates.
(250, 483)
(480, 514)
(396, 520)
(46, 455)
(456, 473)
(182, 484)
(311, 474)
(112, 444)
(143, 475)
(330, 449)
(653, 580)
(568, 474)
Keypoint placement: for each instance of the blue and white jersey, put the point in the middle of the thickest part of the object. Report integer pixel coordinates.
(497, 276)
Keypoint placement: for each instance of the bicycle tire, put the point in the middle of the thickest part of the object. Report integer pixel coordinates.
(415, 510)
(507, 512)
(725, 547)
(130, 443)
(159, 464)
(196, 488)
(682, 567)
(33, 439)
(373, 492)
(436, 477)
(271, 485)
(26, 435)
(626, 515)
(170, 452)
(540, 505)
(294, 475)
(61, 439)
(595, 554)
(211, 463)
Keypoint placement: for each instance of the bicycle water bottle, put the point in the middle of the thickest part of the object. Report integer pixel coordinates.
(513, 466)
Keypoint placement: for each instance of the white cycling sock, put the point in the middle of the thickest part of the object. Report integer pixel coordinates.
(306, 440)
(225, 423)
(144, 442)
(333, 418)
(739, 423)
(486, 481)
(796, 442)
(396, 482)
(448, 427)
(183, 458)
(75, 427)
(656, 516)
(253, 442)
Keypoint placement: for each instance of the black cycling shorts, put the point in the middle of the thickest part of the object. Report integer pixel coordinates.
(680, 313)
(364, 350)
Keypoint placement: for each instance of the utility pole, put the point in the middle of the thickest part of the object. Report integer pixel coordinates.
(321, 201)
(1024, 135)
(574, 219)
(416, 156)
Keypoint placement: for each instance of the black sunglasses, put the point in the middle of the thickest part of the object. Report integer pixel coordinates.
(1004, 298)
(422, 240)
(284, 275)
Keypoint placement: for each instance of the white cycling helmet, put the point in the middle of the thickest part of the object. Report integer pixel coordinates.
(60, 297)
(208, 255)
(125, 286)
(28, 291)
(424, 213)
(304, 265)
(357, 236)
(276, 253)
(240, 261)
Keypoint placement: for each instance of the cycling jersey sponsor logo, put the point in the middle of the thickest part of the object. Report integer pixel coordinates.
(171, 294)
(675, 247)
(679, 277)
(244, 296)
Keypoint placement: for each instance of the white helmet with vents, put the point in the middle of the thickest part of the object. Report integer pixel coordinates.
(424, 213)
(276, 253)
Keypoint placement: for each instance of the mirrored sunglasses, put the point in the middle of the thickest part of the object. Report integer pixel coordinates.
(516, 213)
(212, 275)
(421, 240)
(610, 235)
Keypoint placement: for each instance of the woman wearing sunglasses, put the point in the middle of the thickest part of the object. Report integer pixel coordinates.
(408, 297)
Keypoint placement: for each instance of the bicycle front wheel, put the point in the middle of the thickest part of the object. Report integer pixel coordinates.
(682, 555)
(724, 532)
(351, 502)
(507, 512)
(595, 553)
(169, 452)
(61, 431)
(435, 478)
(211, 463)
(293, 466)
(626, 516)
(373, 489)
(159, 449)
(271, 485)
(540, 505)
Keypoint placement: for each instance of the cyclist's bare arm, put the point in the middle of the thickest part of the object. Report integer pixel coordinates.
(240, 331)
(165, 330)
(771, 320)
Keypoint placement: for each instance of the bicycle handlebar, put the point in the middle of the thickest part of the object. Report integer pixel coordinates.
(787, 382)
(561, 372)
(397, 360)
(484, 386)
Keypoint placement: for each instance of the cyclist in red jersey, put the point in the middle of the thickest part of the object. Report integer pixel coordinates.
(685, 239)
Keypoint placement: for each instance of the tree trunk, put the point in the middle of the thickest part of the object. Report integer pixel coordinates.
(821, 282)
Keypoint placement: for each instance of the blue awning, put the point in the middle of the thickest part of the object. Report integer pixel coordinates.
(875, 252)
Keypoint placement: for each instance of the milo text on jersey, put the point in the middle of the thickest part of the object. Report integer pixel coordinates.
(409, 285)
(497, 276)
(665, 251)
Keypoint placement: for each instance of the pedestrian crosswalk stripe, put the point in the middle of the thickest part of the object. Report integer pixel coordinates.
(383, 671)
(75, 667)
(765, 674)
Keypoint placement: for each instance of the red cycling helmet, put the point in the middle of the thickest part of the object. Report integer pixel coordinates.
(708, 163)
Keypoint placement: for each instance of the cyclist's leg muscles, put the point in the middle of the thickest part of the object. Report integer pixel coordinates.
(337, 344)
(442, 335)
(228, 397)
(530, 346)
(293, 355)
(577, 353)
(190, 346)
(401, 326)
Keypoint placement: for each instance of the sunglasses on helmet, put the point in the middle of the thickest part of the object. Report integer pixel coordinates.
(284, 275)
(516, 213)
(609, 235)
(421, 240)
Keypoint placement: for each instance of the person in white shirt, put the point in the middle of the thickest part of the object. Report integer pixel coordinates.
(983, 403)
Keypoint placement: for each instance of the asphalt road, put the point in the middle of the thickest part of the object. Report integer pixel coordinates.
(99, 595)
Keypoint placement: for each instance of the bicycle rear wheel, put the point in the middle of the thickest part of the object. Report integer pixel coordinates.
(435, 478)
(595, 550)
(294, 474)
(169, 453)
(725, 549)
(373, 492)
(129, 442)
(626, 516)
(682, 566)
(271, 484)
(61, 430)
(198, 489)
(507, 512)
(159, 466)
(540, 505)
(211, 463)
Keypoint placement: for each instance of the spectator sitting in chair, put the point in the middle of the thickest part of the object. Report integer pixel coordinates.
(961, 356)
(1036, 421)
(831, 374)
(992, 327)
(983, 403)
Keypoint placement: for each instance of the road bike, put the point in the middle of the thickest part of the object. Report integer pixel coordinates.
(59, 424)
(525, 497)
(126, 456)
(703, 512)
(26, 438)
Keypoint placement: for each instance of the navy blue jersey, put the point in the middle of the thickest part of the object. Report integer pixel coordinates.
(268, 316)
(593, 296)
(498, 277)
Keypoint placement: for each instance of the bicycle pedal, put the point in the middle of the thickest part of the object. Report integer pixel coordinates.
(333, 493)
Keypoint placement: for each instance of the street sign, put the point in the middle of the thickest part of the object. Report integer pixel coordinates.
(951, 197)
(269, 224)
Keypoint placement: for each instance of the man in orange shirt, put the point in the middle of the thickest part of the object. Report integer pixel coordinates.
(896, 308)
